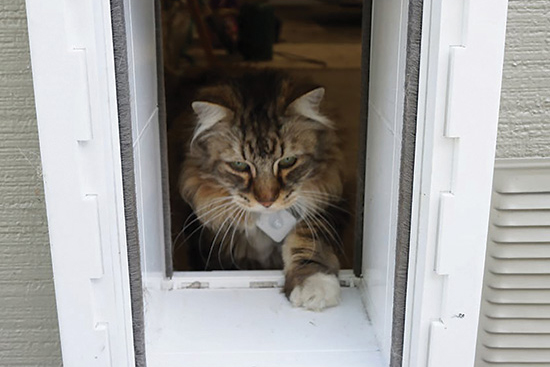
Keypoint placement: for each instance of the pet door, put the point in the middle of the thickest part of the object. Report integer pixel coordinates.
(95, 78)
(244, 318)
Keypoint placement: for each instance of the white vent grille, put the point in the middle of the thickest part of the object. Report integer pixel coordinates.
(515, 313)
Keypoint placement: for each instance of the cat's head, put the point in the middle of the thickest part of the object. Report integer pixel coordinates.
(265, 144)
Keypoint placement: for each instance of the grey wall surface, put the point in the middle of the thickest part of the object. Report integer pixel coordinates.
(524, 126)
(29, 334)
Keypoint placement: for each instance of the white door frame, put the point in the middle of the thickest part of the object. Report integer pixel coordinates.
(75, 93)
(76, 106)
(459, 93)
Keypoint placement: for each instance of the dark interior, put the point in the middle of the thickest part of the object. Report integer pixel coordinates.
(320, 40)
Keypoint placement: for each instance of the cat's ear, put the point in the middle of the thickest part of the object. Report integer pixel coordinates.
(209, 114)
(308, 105)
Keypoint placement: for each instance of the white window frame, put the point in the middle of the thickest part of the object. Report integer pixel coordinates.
(75, 92)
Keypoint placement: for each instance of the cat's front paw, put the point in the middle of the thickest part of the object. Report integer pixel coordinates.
(317, 292)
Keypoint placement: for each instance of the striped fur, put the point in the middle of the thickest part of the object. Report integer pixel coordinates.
(264, 121)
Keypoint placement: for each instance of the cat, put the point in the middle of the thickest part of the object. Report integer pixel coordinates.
(258, 144)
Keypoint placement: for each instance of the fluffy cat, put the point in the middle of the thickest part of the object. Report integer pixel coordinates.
(260, 144)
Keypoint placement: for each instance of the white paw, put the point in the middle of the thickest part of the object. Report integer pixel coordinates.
(318, 292)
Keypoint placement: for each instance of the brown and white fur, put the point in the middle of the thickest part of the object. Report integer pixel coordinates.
(260, 144)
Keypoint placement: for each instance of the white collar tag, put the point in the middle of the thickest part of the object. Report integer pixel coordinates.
(276, 225)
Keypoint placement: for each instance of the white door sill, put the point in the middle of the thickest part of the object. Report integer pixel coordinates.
(243, 327)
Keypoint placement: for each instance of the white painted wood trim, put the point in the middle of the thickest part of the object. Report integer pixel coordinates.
(459, 93)
(388, 56)
(74, 84)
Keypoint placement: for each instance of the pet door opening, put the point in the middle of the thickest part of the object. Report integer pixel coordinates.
(214, 51)
(325, 44)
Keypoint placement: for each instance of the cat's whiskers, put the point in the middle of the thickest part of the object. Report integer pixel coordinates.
(245, 213)
(325, 199)
(204, 226)
(318, 209)
(321, 193)
(222, 242)
(213, 244)
(304, 216)
(200, 215)
(319, 206)
(321, 216)
(328, 228)
(289, 200)
(198, 218)
(246, 219)
(227, 212)
(225, 209)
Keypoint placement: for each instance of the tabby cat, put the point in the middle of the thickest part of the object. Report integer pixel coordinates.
(260, 145)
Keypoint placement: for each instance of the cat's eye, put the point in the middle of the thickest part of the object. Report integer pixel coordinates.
(287, 162)
(239, 166)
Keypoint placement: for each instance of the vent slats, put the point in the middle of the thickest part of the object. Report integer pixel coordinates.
(496, 356)
(519, 234)
(511, 311)
(526, 201)
(514, 325)
(517, 296)
(520, 326)
(539, 250)
(518, 218)
(520, 266)
(518, 341)
(516, 281)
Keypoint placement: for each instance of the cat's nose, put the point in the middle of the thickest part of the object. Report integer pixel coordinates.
(266, 190)
(267, 204)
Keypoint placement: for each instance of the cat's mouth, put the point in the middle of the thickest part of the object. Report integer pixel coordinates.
(260, 209)
(253, 206)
